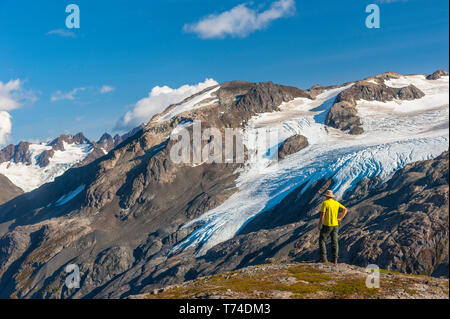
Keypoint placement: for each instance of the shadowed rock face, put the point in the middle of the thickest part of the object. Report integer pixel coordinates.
(437, 75)
(292, 145)
(8, 190)
(344, 115)
(44, 158)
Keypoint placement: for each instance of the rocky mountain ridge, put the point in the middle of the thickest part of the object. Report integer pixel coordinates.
(21, 153)
(41, 163)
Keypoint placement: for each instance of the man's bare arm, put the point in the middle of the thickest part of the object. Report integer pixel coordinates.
(322, 216)
(343, 214)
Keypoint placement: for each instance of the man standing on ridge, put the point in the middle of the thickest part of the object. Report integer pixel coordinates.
(329, 216)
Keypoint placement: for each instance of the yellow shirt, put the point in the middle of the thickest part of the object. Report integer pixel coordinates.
(331, 209)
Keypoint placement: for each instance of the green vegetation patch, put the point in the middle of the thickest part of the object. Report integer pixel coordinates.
(262, 285)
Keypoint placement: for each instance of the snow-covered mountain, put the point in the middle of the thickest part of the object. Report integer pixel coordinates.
(134, 219)
(30, 165)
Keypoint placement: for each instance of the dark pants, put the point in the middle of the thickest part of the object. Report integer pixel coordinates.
(325, 232)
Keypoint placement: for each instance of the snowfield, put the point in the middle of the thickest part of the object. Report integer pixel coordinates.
(395, 133)
(29, 177)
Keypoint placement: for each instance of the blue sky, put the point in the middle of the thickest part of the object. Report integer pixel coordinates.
(133, 46)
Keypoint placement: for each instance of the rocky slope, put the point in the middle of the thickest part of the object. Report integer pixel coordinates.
(303, 281)
(8, 190)
(134, 220)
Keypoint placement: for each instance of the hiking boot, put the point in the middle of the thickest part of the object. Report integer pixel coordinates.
(322, 260)
(335, 261)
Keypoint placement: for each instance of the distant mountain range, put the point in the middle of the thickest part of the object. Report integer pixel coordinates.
(30, 165)
(134, 220)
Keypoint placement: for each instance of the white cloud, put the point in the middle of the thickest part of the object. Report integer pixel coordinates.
(5, 126)
(62, 33)
(240, 21)
(106, 89)
(157, 101)
(12, 96)
(8, 101)
(10, 93)
(58, 95)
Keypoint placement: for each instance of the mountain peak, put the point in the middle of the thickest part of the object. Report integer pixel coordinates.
(58, 143)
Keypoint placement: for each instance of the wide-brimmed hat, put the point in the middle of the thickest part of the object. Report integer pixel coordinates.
(329, 193)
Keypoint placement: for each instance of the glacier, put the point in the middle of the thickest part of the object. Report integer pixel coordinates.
(395, 133)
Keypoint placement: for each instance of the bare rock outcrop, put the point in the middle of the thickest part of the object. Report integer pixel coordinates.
(377, 92)
(409, 92)
(266, 97)
(344, 115)
(437, 75)
(292, 145)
